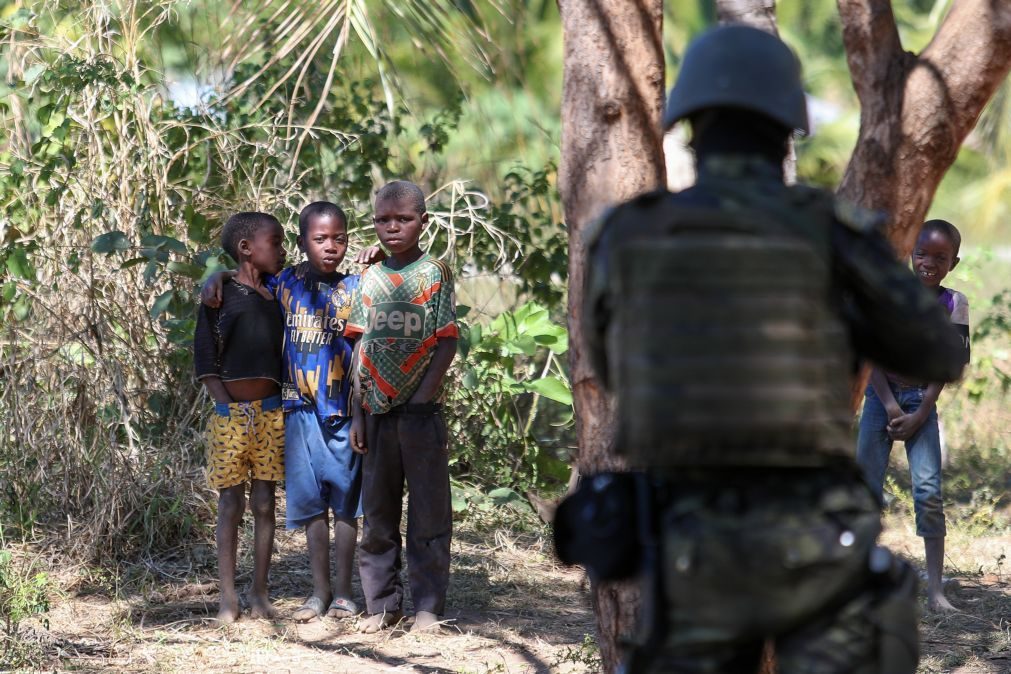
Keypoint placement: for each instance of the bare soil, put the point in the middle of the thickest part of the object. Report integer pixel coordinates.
(511, 609)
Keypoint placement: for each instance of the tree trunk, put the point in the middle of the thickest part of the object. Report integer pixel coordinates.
(612, 102)
(916, 109)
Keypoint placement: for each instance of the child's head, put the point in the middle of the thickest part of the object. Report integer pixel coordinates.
(936, 251)
(323, 235)
(256, 238)
(400, 216)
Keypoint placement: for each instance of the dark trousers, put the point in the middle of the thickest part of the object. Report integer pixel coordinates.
(409, 442)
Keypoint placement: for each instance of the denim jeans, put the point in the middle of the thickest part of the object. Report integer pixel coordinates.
(923, 451)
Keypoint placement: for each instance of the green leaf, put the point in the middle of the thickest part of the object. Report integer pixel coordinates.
(159, 242)
(19, 266)
(10, 289)
(470, 379)
(198, 228)
(552, 388)
(44, 114)
(459, 501)
(186, 269)
(22, 307)
(132, 263)
(32, 73)
(161, 303)
(503, 496)
(150, 272)
(110, 242)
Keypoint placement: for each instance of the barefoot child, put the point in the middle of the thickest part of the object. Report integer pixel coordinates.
(322, 472)
(899, 409)
(237, 351)
(405, 314)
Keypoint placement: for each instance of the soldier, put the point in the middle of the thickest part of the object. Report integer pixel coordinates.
(727, 319)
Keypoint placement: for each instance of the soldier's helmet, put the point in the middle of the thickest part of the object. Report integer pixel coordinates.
(737, 66)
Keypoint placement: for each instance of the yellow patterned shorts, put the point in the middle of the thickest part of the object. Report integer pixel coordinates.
(245, 440)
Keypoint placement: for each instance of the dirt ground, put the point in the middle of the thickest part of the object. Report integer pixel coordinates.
(511, 609)
(977, 638)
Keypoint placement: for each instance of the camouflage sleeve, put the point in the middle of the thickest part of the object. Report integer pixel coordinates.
(597, 301)
(894, 320)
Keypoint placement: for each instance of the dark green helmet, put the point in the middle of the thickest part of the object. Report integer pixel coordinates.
(738, 66)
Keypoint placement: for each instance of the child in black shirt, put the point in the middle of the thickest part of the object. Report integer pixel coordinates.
(237, 354)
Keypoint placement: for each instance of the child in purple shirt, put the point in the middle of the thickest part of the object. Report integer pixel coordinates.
(899, 409)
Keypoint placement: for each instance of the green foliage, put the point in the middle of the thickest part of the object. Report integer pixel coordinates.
(529, 212)
(587, 655)
(511, 405)
(24, 593)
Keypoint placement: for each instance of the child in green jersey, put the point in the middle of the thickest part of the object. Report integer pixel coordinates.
(405, 313)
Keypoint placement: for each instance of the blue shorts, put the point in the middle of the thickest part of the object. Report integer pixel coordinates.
(320, 469)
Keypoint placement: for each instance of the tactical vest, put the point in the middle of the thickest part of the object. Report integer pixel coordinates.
(724, 347)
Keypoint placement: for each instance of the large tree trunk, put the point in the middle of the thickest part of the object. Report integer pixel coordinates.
(916, 109)
(612, 101)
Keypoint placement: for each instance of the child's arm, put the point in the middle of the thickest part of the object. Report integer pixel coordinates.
(906, 425)
(357, 412)
(210, 294)
(206, 353)
(217, 389)
(437, 368)
(884, 392)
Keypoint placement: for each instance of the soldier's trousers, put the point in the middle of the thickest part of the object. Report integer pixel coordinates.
(781, 556)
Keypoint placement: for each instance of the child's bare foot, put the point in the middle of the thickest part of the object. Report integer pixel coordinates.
(228, 609)
(425, 621)
(938, 603)
(260, 606)
(379, 621)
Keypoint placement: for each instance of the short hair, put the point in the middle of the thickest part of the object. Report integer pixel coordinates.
(243, 226)
(946, 228)
(403, 189)
(318, 209)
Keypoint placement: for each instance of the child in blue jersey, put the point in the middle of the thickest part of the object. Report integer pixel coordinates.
(322, 473)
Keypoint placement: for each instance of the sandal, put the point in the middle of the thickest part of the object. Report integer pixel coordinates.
(314, 604)
(342, 607)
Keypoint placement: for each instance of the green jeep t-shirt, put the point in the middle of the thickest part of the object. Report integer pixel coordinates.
(400, 315)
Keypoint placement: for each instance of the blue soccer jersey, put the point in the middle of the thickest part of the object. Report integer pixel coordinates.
(317, 359)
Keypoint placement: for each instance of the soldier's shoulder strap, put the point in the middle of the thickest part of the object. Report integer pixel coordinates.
(636, 209)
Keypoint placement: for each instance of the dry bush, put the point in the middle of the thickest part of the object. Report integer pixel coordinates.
(111, 202)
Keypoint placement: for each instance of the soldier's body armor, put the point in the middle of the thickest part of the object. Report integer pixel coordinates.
(724, 349)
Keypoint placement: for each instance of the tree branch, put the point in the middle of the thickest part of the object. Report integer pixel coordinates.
(970, 69)
(758, 13)
(872, 44)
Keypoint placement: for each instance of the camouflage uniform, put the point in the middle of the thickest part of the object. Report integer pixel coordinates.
(727, 319)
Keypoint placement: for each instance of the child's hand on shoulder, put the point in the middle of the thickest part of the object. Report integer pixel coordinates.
(210, 293)
(370, 255)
